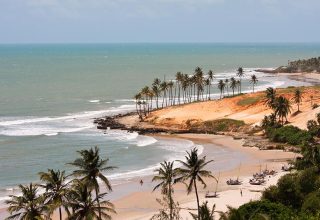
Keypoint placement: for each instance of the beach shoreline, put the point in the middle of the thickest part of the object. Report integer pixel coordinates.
(142, 204)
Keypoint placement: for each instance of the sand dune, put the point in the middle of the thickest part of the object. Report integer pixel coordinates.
(249, 107)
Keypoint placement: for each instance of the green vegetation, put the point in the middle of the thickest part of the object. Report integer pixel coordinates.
(289, 134)
(185, 89)
(249, 101)
(165, 176)
(80, 197)
(193, 171)
(256, 209)
(297, 194)
(307, 65)
(218, 125)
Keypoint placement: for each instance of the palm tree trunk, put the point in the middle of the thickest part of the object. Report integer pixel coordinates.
(157, 97)
(196, 190)
(179, 94)
(97, 197)
(60, 213)
(170, 204)
(175, 95)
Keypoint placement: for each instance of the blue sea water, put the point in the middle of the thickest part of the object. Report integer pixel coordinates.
(50, 93)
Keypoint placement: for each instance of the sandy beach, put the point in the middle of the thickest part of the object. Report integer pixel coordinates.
(142, 204)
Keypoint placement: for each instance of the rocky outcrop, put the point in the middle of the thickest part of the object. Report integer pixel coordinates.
(108, 122)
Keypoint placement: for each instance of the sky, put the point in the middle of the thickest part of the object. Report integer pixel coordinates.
(99, 21)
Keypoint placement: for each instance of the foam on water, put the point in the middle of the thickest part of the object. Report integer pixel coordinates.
(49, 126)
(94, 101)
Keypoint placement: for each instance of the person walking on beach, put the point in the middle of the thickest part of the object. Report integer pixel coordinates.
(141, 182)
(241, 192)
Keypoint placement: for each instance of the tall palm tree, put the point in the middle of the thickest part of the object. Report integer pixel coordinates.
(297, 98)
(210, 77)
(282, 108)
(193, 170)
(170, 87)
(156, 89)
(85, 207)
(233, 84)
(56, 188)
(90, 168)
(240, 74)
(165, 176)
(239, 86)
(178, 80)
(226, 82)
(199, 81)
(28, 206)
(164, 88)
(207, 84)
(253, 81)
(221, 86)
(145, 91)
(138, 97)
(270, 97)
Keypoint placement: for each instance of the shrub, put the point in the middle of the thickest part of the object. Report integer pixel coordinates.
(289, 191)
(271, 194)
(289, 134)
(311, 203)
(254, 210)
(308, 180)
(218, 125)
(314, 106)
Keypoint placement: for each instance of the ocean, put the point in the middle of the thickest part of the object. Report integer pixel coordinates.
(50, 93)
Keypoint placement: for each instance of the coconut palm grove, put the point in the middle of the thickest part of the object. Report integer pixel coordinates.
(83, 193)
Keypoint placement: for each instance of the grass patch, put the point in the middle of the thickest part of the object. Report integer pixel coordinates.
(218, 125)
(249, 101)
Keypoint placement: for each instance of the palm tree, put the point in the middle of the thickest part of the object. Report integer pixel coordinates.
(253, 81)
(282, 108)
(145, 91)
(199, 81)
(221, 86)
(207, 83)
(193, 170)
(205, 212)
(85, 207)
(28, 206)
(210, 77)
(178, 80)
(56, 188)
(164, 88)
(90, 170)
(166, 175)
(156, 89)
(239, 86)
(297, 98)
(233, 85)
(226, 81)
(138, 97)
(240, 74)
(270, 97)
(170, 87)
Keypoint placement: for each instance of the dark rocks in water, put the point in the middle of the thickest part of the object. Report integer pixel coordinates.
(108, 122)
